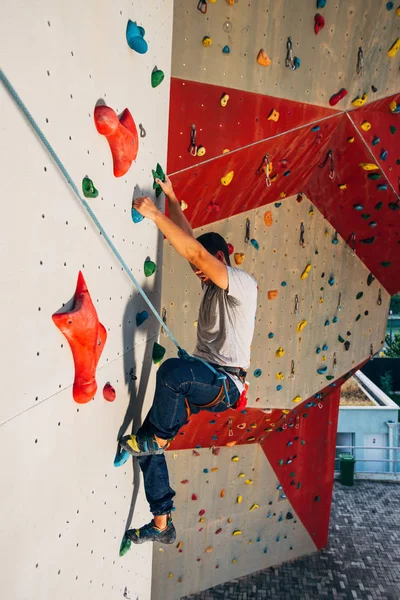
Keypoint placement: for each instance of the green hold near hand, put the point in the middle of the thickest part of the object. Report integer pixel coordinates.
(88, 189)
(149, 267)
(158, 353)
(158, 174)
(157, 77)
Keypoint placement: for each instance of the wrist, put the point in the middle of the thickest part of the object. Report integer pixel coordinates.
(172, 198)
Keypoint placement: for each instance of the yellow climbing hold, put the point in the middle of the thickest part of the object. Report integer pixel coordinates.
(225, 151)
(239, 499)
(369, 166)
(306, 271)
(394, 48)
(170, 575)
(229, 520)
(253, 426)
(224, 100)
(235, 459)
(350, 140)
(360, 101)
(206, 41)
(195, 323)
(393, 106)
(273, 178)
(366, 125)
(249, 481)
(250, 439)
(254, 507)
(285, 411)
(280, 352)
(230, 443)
(273, 115)
(201, 151)
(324, 358)
(311, 212)
(184, 206)
(202, 520)
(239, 257)
(209, 549)
(268, 429)
(279, 375)
(214, 469)
(282, 195)
(237, 532)
(179, 546)
(234, 561)
(321, 300)
(241, 475)
(301, 326)
(398, 12)
(297, 399)
(228, 178)
(263, 59)
(342, 186)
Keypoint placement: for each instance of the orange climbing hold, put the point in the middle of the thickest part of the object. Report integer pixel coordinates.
(273, 115)
(263, 59)
(86, 337)
(239, 257)
(272, 294)
(268, 218)
(121, 135)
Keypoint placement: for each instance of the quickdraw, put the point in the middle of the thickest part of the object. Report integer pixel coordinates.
(339, 305)
(379, 301)
(292, 375)
(329, 156)
(247, 236)
(296, 305)
(352, 241)
(202, 6)
(289, 62)
(334, 361)
(164, 319)
(193, 146)
(266, 167)
(360, 62)
(142, 131)
(302, 243)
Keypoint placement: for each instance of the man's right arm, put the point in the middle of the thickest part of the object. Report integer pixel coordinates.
(176, 213)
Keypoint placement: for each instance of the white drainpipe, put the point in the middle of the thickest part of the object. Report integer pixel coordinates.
(391, 425)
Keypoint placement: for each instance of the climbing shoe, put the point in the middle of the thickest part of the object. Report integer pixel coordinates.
(143, 445)
(151, 533)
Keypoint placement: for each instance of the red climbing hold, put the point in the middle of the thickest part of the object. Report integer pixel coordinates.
(109, 392)
(319, 23)
(230, 248)
(338, 96)
(121, 135)
(194, 497)
(202, 512)
(86, 337)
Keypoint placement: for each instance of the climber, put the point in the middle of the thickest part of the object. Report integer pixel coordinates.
(183, 386)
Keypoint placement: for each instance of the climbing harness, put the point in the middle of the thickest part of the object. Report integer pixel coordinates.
(360, 62)
(329, 156)
(202, 6)
(181, 352)
(289, 62)
(247, 235)
(193, 147)
(302, 243)
(266, 167)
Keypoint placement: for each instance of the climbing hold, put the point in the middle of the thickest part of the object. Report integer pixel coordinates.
(331, 280)
(365, 216)
(297, 399)
(227, 178)
(374, 176)
(214, 469)
(327, 322)
(279, 375)
(206, 41)
(394, 48)
(382, 186)
(282, 195)
(184, 206)
(318, 350)
(360, 101)
(370, 279)
(286, 173)
(394, 107)
(369, 166)
(369, 240)
(254, 507)
(241, 475)
(157, 76)
(358, 207)
(374, 89)
(359, 295)
(378, 206)
(194, 497)
(366, 125)
(248, 481)
(141, 317)
(389, 5)
(271, 335)
(319, 23)
(222, 494)
(394, 205)
(314, 130)
(235, 459)
(306, 271)
(272, 294)
(386, 263)
(230, 249)
(135, 37)
(158, 174)
(205, 470)
(322, 370)
(239, 257)
(218, 531)
(280, 352)
(347, 345)
(195, 453)
(86, 337)
(184, 481)
(136, 216)
(121, 134)
(224, 99)
(277, 204)
(237, 532)
(209, 549)
(239, 499)
(301, 326)
(384, 154)
(375, 140)
(335, 320)
(392, 129)
(337, 97)
(350, 140)
(330, 377)
(255, 244)
(201, 151)
(283, 284)
(202, 512)
(263, 59)
(273, 115)
(88, 189)
(226, 50)
(158, 353)
(109, 392)
(340, 339)
(321, 3)
(149, 267)
(257, 373)
(296, 63)
(342, 186)
(268, 218)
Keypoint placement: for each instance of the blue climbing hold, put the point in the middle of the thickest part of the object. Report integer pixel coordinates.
(389, 5)
(322, 370)
(327, 322)
(383, 155)
(382, 186)
(376, 140)
(136, 216)
(278, 388)
(318, 351)
(286, 173)
(321, 3)
(257, 373)
(270, 335)
(255, 244)
(289, 443)
(205, 470)
(226, 50)
(296, 63)
(283, 284)
(315, 128)
(331, 280)
(335, 320)
(278, 204)
(141, 317)
(135, 37)
(325, 347)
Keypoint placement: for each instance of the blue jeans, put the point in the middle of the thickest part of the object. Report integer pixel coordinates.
(177, 379)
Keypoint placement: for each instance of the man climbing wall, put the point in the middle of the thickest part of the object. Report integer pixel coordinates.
(186, 385)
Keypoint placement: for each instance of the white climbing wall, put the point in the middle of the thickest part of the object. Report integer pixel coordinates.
(278, 265)
(64, 505)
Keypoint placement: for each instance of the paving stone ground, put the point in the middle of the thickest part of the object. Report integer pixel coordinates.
(362, 560)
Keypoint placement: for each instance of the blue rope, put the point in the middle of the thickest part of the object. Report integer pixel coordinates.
(181, 352)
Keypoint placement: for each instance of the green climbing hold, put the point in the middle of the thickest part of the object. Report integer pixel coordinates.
(392, 129)
(394, 205)
(365, 216)
(359, 295)
(158, 353)
(369, 240)
(386, 263)
(358, 317)
(88, 189)
(330, 377)
(158, 174)
(125, 546)
(341, 340)
(302, 442)
(149, 268)
(157, 77)
(378, 206)
(374, 176)
(281, 461)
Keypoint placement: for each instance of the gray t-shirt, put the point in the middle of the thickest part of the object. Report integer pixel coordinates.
(226, 322)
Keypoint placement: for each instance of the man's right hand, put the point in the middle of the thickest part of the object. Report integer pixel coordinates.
(167, 188)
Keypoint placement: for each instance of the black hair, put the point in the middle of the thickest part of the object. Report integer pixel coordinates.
(213, 243)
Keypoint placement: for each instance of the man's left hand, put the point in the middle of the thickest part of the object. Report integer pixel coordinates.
(146, 207)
